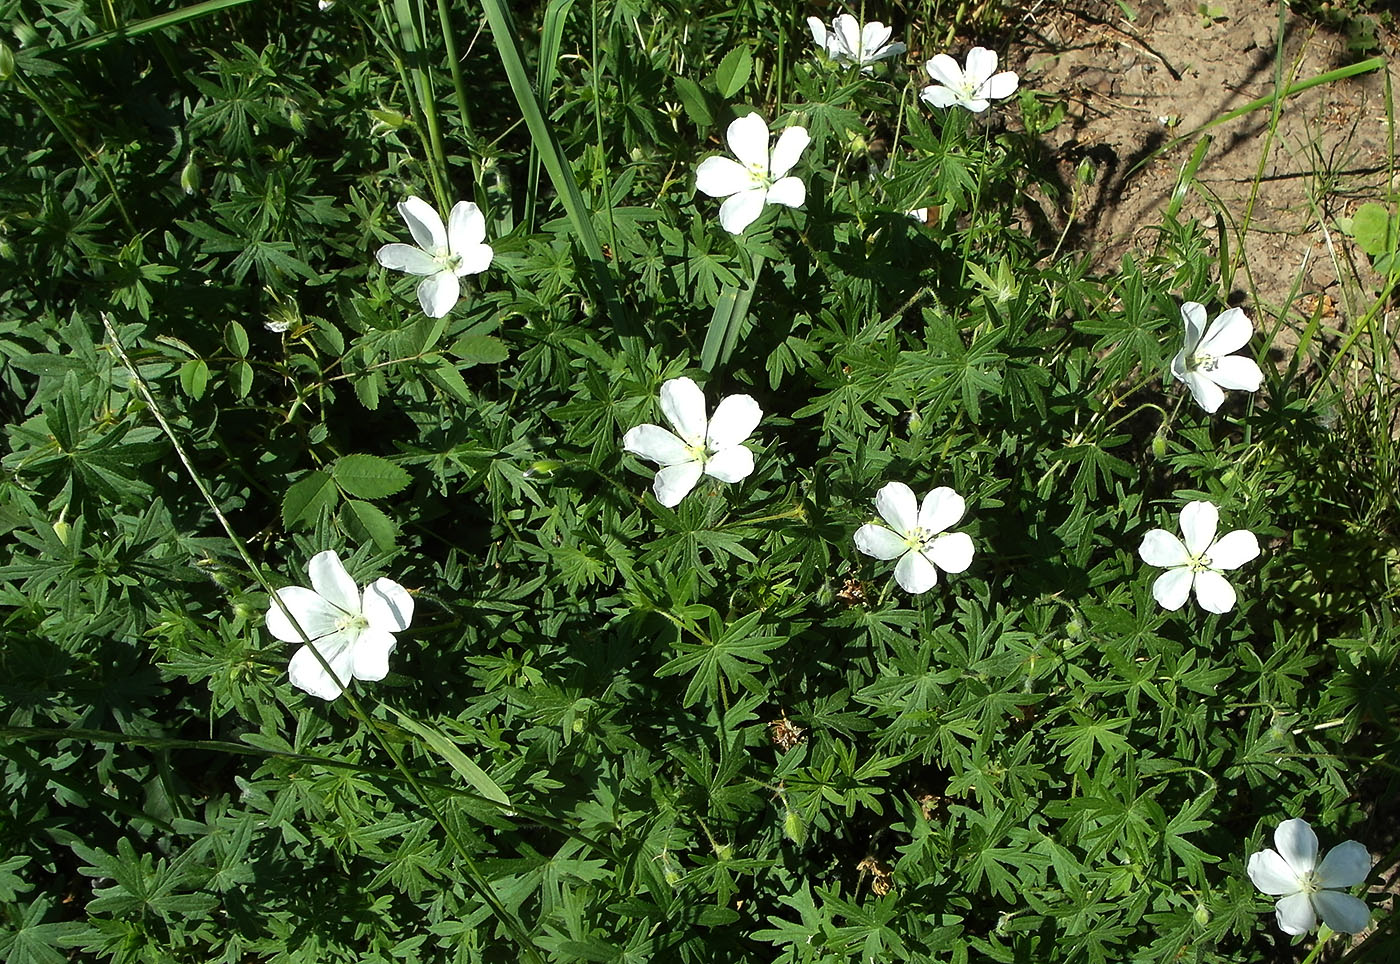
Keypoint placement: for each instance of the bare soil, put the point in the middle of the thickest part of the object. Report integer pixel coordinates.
(1133, 86)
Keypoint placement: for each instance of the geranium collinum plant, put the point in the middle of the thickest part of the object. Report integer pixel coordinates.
(1307, 890)
(1205, 363)
(974, 86)
(1197, 562)
(847, 42)
(759, 177)
(441, 255)
(352, 630)
(699, 445)
(917, 535)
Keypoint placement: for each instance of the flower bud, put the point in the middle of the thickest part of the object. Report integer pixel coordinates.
(1202, 915)
(1159, 446)
(724, 851)
(61, 529)
(794, 828)
(190, 176)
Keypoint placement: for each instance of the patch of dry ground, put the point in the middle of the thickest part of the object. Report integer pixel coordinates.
(1135, 85)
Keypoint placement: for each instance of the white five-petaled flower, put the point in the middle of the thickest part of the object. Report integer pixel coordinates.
(758, 177)
(699, 446)
(1306, 889)
(974, 86)
(354, 632)
(917, 535)
(1199, 561)
(1205, 363)
(850, 43)
(441, 256)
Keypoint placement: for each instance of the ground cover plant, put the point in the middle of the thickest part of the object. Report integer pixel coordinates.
(632, 480)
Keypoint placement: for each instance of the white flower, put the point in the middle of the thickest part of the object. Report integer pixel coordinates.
(757, 178)
(1307, 890)
(325, 4)
(1205, 363)
(699, 446)
(850, 43)
(442, 256)
(353, 632)
(974, 87)
(917, 535)
(1199, 561)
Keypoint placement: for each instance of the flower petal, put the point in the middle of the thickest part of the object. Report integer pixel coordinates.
(1206, 393)
(846, 37)
(734, 420)
(981, 64)
(437, 293)
(1345, 865)
(655, 443)
(674, 482)
(896, 504)
(316, 616)
(872, 37)
(944, 70)
(370, 655)
(1228, 333)
(818, 31)
(1193, 319)
(466, 226)
(683, 404)
(474, 259)
(721, 176)
(1272, 875)
(789, 192)
(1295, 914)
(332, 582)
(1342, 912)
(1297, 844)
(306, 673)
(406, 257)
(1172, 587)
(388, 607)
(951, 552)
(1179, 366)
(914, 573)
(999, 85)
(1237, 372)
(880, 542)
(730, 464)
(1198, 522)
(941, 510)
(890, 50)
(791, 143)
(1233, 550)
(1161, 548)
(741, 210)
(936, 96)
(1214, 592)
(425, 224)
(976, 105)
(747, 137)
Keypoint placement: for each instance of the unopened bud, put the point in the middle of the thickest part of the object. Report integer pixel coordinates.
(190, 176)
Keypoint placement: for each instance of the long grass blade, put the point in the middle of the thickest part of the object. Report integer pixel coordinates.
(159, 22)
(551, 40)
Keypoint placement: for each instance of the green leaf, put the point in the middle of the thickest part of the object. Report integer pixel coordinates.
(446, 376)
(369, 476)
(733, 71)
(194, 378)
(692, 97)
(1371, 226)
(242, 379)
(452, 754)
(365, 521)
(305, 499)
(479, 350)
(236, 339)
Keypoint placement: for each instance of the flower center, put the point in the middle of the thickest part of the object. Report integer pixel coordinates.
(697, 451)
(1204, 363)
(1309, 883)
(354, 623)
(919, 539)
(1200, 562)
(450, 262)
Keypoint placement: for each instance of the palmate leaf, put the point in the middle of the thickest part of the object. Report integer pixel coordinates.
(730, 658)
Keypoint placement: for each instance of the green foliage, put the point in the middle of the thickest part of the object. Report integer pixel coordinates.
(617, 731)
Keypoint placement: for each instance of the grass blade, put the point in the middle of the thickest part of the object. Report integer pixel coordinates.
(551, 39)
(158, 22)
